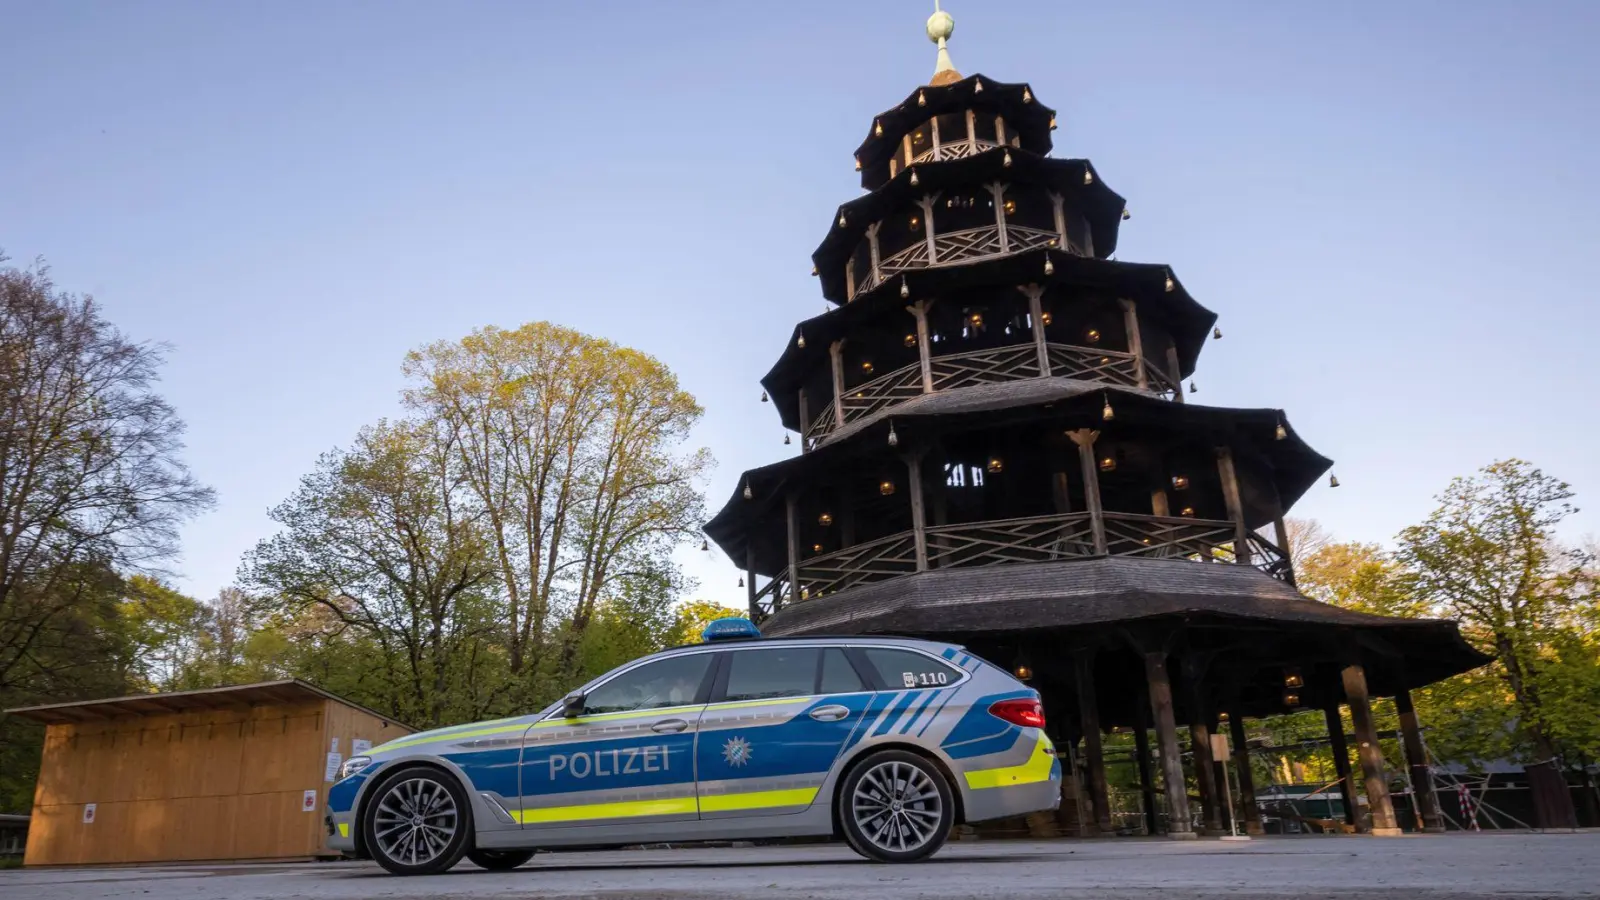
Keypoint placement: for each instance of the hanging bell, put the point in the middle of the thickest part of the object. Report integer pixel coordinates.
(1006, 159)
(905, 289)
(748, 494)
(786, 440)
(1027, 95)
(1049, 267)
(1125, 214)
(814, 271)
(763, 396)
(1333, 481)
(842, 222)
(705, 546)
(741, 581)
(922, 99)
(1170, 283)
(1088, 175)
(977, 87)
(1193, 389)
(1106, 412)
(877, 127)
(1052, 123)
(1216, 333)
(800, 342)
(894, 439)
(858, 164)
(1281, 433)
(913, 177)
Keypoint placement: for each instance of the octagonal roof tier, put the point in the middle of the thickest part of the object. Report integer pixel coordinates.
(1031, 120)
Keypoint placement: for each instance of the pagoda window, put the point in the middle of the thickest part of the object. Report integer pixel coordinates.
(1029, 208)
(1078, 234)
(984, 128)
(902, 230)
(920, 140)
(861, 268)
(964, 208)
(952, 130)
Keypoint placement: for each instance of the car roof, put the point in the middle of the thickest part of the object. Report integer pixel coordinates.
(828, 639)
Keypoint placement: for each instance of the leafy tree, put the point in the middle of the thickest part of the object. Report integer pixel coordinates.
(694, 616)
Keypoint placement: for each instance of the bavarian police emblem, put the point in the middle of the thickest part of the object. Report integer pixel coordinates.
(736, 751)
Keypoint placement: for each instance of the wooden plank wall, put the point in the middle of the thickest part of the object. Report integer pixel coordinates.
(206, 785)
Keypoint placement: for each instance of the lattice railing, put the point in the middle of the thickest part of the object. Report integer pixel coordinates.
(958, 370)
(956, 247)
(1036, 539)
(773, 596)
(954, 150)
(1163, 537)
(1160, 382)
(896, 387)
(877, 560)
(1270, 558)
(1091, 364)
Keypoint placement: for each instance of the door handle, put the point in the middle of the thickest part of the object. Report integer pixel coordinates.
(669, 726)
(830, 713)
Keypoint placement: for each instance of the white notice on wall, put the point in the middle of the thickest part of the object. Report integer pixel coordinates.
(332, 771)
(333, 746)
(88, 814)
(359, 746)
(308, 803)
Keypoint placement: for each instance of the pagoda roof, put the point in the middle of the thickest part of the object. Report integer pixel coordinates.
(1100, 205)
(967, 603)
(1028, 118)
(1295, 466)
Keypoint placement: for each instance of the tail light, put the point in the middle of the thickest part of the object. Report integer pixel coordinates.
(1026, 712)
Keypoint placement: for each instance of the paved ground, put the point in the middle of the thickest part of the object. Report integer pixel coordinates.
(1339, 868)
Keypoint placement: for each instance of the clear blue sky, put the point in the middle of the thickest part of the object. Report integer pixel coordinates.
(1393, 206)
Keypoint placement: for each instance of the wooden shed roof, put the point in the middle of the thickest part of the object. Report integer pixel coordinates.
(231, 697)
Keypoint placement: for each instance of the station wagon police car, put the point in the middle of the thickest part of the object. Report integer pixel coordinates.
(885, 742)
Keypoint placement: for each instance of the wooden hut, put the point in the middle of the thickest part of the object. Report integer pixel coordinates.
(222, 774)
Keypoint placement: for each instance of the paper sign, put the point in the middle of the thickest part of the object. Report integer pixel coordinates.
(308, 803)
(1219, 746)
(333, 746)
(910, 678)
(358, 747)
(88, 814)
(332, 771)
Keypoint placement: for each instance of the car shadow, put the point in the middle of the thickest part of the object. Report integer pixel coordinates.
(467, 869)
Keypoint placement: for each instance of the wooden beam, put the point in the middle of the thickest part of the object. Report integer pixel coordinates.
(927, 226)
(1093, 749)
(805, 421)
(836, 357)
(791, 509)
(919, 525)
(1230, 495)
(1427, 799)
(1341, 761)
(750, 577)
(1130, 322)
(1036, 313)
(1160, 693)
(1249, 809)
(924, 352)
(1379, 804)
(1211, 801)
(1158, 502)
(1085, 438)
(1141, 749)
(1175, 372)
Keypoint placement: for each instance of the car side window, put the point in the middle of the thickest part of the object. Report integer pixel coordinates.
(771, 673)
(674, 681)
(906, 669)
(837, 675)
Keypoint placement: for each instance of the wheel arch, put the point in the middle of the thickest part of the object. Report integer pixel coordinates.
(858, 754)
(358, 829)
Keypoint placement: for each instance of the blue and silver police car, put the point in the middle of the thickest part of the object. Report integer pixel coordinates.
(884, 742)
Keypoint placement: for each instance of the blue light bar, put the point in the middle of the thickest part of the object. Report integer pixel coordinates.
(734, 628)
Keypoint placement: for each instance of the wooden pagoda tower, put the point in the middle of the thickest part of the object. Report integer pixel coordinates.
(998, 451)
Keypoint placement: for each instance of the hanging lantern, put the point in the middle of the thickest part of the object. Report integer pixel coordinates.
(1291, 699)
(763, 396)
(1216, 334)
(866, 366)
(1281, 431)
(748, 494)
(916, 224)
(1049, 267)
(1027, 95)
(911, 340)
(1180, 482)
(1005, 158)
(1125, 214)
(976, 319)
(1092, 335)
(1010, 206)
(1170, 283)
(894, 439)
(1193, 389)
(1292, 679)
(1108, 464)
(825, 519)
(905, 289)
(914, 178)
(995, 465)
(922, 99)
(1333, 481)
(877, 127)
(705, 545)
(1106, 412)
(1088, 174)
(816, 548)
(886, 487)
(1105, 360)
(1046, 318)
(1021, 668)
(1187, 512)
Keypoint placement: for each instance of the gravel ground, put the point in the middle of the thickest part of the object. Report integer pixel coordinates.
(1416, 867)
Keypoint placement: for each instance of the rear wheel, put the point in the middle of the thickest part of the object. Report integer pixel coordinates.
(499, 860)
(418, 822)
(896, 807)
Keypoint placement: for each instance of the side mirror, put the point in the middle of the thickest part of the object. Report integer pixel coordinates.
(572, 704)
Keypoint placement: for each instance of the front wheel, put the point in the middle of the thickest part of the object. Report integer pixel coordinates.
(418, 822)
(896, 807)
(499, 860)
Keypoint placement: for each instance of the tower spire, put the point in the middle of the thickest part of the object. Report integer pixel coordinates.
(940, 27)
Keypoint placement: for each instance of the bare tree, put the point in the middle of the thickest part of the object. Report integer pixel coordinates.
(89, 470)
(1306, 537)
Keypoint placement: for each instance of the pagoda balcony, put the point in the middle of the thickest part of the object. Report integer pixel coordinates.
(1053, 538)
(953, 150)
(988, 366)
(960, 247)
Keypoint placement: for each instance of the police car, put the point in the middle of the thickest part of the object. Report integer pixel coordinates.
(885, 742)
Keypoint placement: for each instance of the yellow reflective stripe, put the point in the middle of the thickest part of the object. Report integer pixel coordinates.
(344, 829)
(455, 736)
(612, 717)
(779, 701)
(757, 800)
(1037, 768)
(630, 808)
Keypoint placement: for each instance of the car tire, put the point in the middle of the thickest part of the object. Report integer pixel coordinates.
(895, 806)
(418, 822)
(499, 860)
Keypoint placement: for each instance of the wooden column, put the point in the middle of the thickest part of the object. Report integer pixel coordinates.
(1280, 530)
(1130, 322)
(836, 355)
(1341, 761)
(1249, 809)
(1059, 203)
(1141, 749)
(919, 523)
(1427, 800)
(1036, 313)
(998, 192)
(805, 422)
(1379, 805)
(872, 247)
(1160, 688)
(1158, 503)
(927, 224)
(1085, 438)
(750, 578)
(1093, 750)
(1200, 740)
(791, 512)
(924, 352)
(1175, 372)
(1230, 495)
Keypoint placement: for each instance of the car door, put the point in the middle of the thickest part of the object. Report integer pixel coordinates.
(779, 718)
(628, 758)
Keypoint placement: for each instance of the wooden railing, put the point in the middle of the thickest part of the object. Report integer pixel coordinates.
(1035, 539)
(954, 150)
(964, 246)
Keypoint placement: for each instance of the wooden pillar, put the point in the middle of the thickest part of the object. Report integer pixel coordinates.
(1280, 530)
(1200, 739)
(1379, 804)
(1158, 503)
(919, 523)
(1175, 372)
(1130, 322)
(998, 192)
(927, 225)
(1141, 749)
(1059, 202)
(1249, 809)
(1426, 799)
(1036, 314)
(791, 511)
(836, 355)
(872, 247)
(1085, 438)
(750, 578)
(1341, 761)
(1230, 495)
(805, 422)
(924, 352)
(1160, 688)
(1093, 750)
